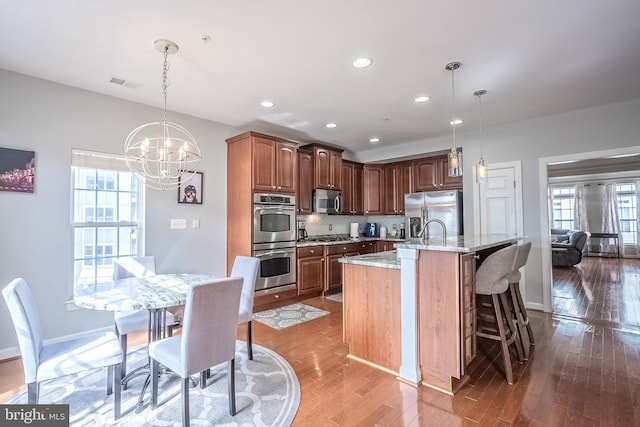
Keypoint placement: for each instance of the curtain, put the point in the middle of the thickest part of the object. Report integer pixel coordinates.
(637, 219)
(580, 209)
(610, 223)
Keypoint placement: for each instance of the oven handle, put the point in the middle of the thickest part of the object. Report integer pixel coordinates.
(270, 253)
(271, 208)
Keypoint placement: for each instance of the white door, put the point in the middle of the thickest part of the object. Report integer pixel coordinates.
(498, 202)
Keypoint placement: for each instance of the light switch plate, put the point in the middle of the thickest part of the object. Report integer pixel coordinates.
(195, 223)
(178, 224)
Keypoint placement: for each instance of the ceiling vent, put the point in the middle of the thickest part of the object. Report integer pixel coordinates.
(117, 81)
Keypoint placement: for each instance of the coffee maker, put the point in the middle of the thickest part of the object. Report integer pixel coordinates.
(302, 230)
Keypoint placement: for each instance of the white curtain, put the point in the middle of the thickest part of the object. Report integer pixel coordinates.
(580, 209)
(610, 223)
(637, 219)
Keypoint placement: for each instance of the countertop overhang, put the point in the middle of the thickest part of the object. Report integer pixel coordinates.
(464, 243)
(388, 259)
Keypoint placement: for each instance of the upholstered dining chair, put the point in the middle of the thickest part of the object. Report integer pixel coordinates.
(247, 268)
(42, 362)
(491, 280)
(128, 321)
(208, 338)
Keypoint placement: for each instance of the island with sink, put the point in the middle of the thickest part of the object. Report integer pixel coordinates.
(411, 311)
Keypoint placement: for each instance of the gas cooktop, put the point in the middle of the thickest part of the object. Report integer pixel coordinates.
(327, 238)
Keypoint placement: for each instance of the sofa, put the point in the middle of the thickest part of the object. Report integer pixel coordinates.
(569, 253)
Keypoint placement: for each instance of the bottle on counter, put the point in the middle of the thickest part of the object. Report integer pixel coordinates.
(383, 231)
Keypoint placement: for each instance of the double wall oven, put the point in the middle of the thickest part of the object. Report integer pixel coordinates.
(274, 239)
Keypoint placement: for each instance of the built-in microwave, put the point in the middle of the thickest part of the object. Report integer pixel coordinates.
(274, 218)
(327, 201)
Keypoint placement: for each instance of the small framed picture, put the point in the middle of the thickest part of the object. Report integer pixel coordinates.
(17, 170)
(190, 189)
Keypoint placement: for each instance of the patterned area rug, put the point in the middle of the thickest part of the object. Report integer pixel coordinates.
(283, 317)
(267, 394)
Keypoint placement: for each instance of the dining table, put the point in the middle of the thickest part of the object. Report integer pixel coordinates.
(154, 293)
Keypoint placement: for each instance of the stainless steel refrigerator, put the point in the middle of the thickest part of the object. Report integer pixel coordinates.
(443, 205)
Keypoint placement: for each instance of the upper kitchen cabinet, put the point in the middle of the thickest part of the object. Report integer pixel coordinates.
(373, 189)
(304, 197)
(327, 164)
(431, 173)
(274, 161)
(352, 185)
(398, 181)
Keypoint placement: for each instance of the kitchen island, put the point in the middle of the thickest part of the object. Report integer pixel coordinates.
(411, 312)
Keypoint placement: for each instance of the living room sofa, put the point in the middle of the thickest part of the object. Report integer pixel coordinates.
(568, 253)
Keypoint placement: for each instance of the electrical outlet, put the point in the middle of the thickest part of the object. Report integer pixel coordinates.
(330, 227)
(178, 224)
(195, 223)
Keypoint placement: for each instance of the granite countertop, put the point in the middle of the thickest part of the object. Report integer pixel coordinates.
(465, 243)
(388, 259)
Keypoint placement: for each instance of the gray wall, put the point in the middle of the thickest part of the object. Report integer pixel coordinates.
(35, 231)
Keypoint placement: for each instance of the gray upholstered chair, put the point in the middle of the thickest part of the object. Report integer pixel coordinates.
(208, 338)
(522, 319)
(42, 362)
(570, 253)
(247, 268)
(495, 316)
(136, 320)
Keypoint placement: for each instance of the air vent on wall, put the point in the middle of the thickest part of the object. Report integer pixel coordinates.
(122, 82)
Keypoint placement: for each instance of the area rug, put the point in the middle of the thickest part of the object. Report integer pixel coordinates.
(289, 315)
(335, 297)
(267, 394)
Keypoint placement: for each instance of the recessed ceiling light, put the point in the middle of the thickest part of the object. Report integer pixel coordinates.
(331, 125)
(455, 122)
(374, 140)
(619, 156)
(362, 62)
(267, 104)
(422, 99)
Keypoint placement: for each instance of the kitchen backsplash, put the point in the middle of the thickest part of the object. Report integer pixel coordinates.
(319, 224)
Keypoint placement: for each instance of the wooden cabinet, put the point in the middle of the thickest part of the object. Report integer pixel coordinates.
(304, 196)
(432, 173)
(310, 272)
(384, 245)
(468, 310)
(327, 166)
(398, 181)
(352, 186)
(333, 267)
(366, 247)
(274, 165)
(374, 189)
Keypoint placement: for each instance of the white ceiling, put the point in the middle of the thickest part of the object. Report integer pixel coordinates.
(534, 58)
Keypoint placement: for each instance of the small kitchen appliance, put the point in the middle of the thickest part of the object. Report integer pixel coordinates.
(302, 230)
(371, 229)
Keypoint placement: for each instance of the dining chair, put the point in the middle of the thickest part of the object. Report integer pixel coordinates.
(208, 338)
(494, 319)
(42, 362)
(247, 268)
(128, 321)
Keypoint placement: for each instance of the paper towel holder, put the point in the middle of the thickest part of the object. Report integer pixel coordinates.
(354, 230)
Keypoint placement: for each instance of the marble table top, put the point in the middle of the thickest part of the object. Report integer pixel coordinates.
(138, 293)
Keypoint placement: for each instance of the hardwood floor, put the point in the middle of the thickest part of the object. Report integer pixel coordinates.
(599, 289)
(578, 374)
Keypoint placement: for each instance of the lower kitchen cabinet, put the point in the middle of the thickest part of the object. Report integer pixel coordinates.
(333, 282)
(310, 269)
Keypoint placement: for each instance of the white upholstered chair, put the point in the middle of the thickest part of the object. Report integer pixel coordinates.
(43, 362)
(208, 338)
(247, 267)
(132, 321)
(494, 319)
(520, 311)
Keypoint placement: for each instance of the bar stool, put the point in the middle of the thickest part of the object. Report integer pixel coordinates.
(491, 281)
(520, 311)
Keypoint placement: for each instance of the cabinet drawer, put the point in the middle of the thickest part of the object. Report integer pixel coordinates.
(343, 249)
(311, 251)
(264, 298)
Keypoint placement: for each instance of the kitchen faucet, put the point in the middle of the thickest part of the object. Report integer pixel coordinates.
(426, 224)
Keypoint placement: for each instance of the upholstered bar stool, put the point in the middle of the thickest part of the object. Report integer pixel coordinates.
(494, 319)
(520, 311)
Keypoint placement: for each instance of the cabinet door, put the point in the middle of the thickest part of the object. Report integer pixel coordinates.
(286, 168)
(373, 190)
(304, 195)
(357, 202)
(334, 272)
(335, 170)
(322, 168)
(448, 182)
(347, 189)
(391, 178)
(425, 174)
(405, 186)
(310, 274)
(468, 312)
(264, 164)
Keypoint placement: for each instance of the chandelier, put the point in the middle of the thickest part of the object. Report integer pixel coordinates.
(455, 156)
(162, 153)
(481, 168)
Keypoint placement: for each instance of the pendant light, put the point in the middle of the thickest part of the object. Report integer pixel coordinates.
(455, 156)
(162, 153)
(481, 168)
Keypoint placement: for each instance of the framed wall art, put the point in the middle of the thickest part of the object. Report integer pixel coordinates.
(190, 189)
(17, 170)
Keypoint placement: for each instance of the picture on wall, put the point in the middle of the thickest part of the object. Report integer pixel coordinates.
(190, 189)
(17, 170)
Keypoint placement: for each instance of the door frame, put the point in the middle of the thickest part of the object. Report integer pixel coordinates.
(545, 226)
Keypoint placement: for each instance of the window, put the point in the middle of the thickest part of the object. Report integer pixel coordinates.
(563, 207)
(106, 216)
(627, 212)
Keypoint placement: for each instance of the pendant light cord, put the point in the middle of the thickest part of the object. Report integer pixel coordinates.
(481, 124)
(165, 81)
(453, 108)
